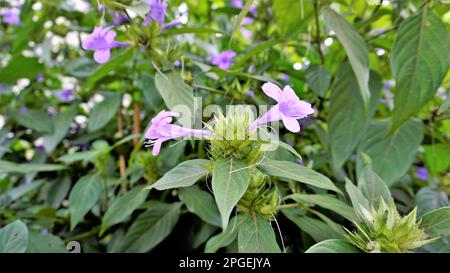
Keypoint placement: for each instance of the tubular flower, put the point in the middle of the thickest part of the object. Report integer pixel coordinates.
(11, 17)
(101, 41)
(157, 12)
(288, 109)
(161, 130)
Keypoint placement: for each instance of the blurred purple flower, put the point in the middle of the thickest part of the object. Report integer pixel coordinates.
(2, 87)
(239, 5)
(100, 8)
(101, 41)
(288, 109)
(39, 147)
(23, 109)
(250, 93)
(299, 161)
(119, 18)
(171, 24)
(157, 11)
(11, 17)
(40, 78)
(284, 77)
(177, 63)
(224, 60)
(161, 130)
(66, 95)
(441, 93)
(422, 173)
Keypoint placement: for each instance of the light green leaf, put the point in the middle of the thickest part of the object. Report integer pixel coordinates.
(123, 206)
(428, 199)
(226, 237)
(315, 228)
(35, 119)
(45, 243)
(326, 201)
(291, 15)
(14, 238)
(174, 91)
(20, 67)
(437, 158)
(419, 61)
(201, 204)
(348, 119)
(184, 174)
(230, 180)
(333, 246)
(391, 154)
(78, 156)
(256, 235)
(436, 222)
(290, 170)
(373, 187)
(61, 125)
(103, 112)
(359, 201)
(25, 168)
(241, 16)
(17, 192)
(318, 78)
(151, 227)
(83, 197)
(354, 46)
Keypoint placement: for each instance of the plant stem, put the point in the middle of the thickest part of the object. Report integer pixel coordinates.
(136, 121)
(318, 39)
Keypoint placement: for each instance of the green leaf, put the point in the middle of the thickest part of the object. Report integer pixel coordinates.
(241, 16)
(184, 174)
(348, 119)
(103, 112)
(392, 154)
(174, 91)
(354, 46)
(35, 119)
(201, 204)
(80, 67)
(14, 238)
(78, 156)
(226, 237)
(290, 170)
(436, 222)
(61, 125)
(333, 246)
(104, 69)
(25, 168)
(58, 191)
(123, 206)
(315, 228)
(257, 236)
(419, 62)
(291, 15)
(359, 201)
(428, 199)
(230, 180)
(20, 67)
(318, 78)
(151, 227)
(45, 243)
(326, 201)
(373, 187)
(289, 148)
(437, 158)
(17, 192)
(83, 197)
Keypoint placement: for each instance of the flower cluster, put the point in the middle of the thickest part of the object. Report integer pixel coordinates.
(101, 41)
(289, 109)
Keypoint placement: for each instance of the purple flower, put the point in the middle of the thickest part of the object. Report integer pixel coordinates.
(177, 63)
(101, 41)
(11, 17)
(161, 130)
(299, 162)
(224, 60)
(23, 109)
(250, 93)
(2, 87)
(441, 93)
(40, 78)
(422, 173)
(288, 109)
(157, 11)
(284, 77)
(171, 24)
(119, 18)
(239, 5)
(65, 95)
